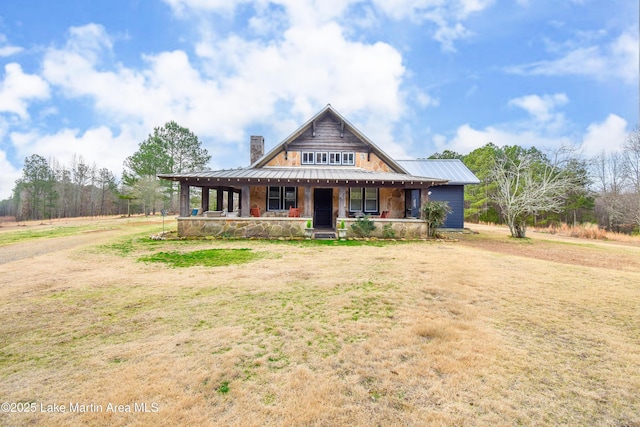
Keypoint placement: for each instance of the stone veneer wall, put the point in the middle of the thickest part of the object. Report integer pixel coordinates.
(242, 227)
(403, 228)
(392, 200)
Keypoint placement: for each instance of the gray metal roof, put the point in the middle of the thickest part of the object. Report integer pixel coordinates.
(337, 174)
(453, 170)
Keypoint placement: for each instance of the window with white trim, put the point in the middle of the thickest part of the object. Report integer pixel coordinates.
(335, 158)
(322, 157)
(307, 157)
(281, 198)
(363, 200)
(348, 158)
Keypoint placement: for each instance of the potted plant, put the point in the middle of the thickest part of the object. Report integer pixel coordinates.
(342, 231)
(308, 230)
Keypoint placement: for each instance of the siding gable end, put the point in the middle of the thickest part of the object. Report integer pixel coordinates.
(328, 131)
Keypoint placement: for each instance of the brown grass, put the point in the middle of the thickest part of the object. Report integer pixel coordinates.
(588, 231)
(484, 331)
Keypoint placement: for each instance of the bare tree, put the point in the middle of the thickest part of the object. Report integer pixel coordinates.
(609, 180)
(631, 168)
(529, 182)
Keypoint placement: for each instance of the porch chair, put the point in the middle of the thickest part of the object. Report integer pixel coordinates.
(294, 212)
(254, 212)
(385, 214)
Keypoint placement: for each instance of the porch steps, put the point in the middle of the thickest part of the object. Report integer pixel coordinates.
(324, 235)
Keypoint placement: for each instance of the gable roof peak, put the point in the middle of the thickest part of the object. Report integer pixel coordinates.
(329, 109)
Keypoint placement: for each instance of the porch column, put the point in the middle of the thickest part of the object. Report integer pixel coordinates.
(184, 199)
(205, 199)
(245, 201)
(342, 202)
(230, 200)
(308, 209)
(219, 198)
(424, 196)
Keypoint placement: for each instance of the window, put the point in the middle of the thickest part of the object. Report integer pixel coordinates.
(348, 159)
(328, 158)
(290, 197)
(371, 200)
(281, 198)
(334, 158)
(355, 200)
(322, 157)
(363, 200)
(307, 157)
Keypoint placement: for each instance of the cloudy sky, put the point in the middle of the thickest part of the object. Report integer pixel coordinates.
(93, 78)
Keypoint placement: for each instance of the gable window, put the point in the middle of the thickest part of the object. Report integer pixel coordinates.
(322, 157)
(281, 198)
(307, 157)
(363, 200)
(348, 158)
(334, 158)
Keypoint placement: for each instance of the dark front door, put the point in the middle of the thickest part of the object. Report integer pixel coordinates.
(412, 203)
(323, 208)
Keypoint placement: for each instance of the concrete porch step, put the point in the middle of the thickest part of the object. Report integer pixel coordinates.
(324, 235)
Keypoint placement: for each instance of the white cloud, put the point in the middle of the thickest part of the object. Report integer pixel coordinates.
(18, 88)
(468, 139)
(618, 59)
(8, 176)
(608, 136)
(97, 145)
(542, 110)
(7, 49)
(446, 16)
(447, 35)
(246, 82)
(468, 7)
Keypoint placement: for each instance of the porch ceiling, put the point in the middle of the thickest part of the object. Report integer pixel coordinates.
(302, 176)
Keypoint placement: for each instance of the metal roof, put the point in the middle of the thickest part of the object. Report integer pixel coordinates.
(312, 175)
(453, 170)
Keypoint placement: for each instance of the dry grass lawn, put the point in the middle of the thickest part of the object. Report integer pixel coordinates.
(484, 330)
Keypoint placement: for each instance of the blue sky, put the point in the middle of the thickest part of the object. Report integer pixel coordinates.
(93, 78)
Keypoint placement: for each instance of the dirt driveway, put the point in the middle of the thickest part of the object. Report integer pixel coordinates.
(98, 231)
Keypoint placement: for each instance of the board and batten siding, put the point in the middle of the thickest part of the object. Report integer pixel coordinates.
(454, 194)
(327, 138)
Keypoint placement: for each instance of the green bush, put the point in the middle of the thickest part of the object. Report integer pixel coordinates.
(435, 213)
(363, 227)
(388, 232)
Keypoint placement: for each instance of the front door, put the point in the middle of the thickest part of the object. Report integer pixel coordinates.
(323, 208)
(412, 203)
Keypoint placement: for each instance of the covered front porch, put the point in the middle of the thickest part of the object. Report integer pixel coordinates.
(258, 203)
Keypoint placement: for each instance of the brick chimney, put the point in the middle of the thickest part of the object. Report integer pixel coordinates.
(257, 148)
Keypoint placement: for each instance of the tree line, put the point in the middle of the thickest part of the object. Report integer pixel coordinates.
(48, 189)
(518, 186)
(524, 187)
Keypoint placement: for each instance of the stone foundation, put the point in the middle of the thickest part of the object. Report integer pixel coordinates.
(289, 228)
(266, 228)
(408, 228)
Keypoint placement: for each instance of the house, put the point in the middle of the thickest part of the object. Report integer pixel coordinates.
(327, 172)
